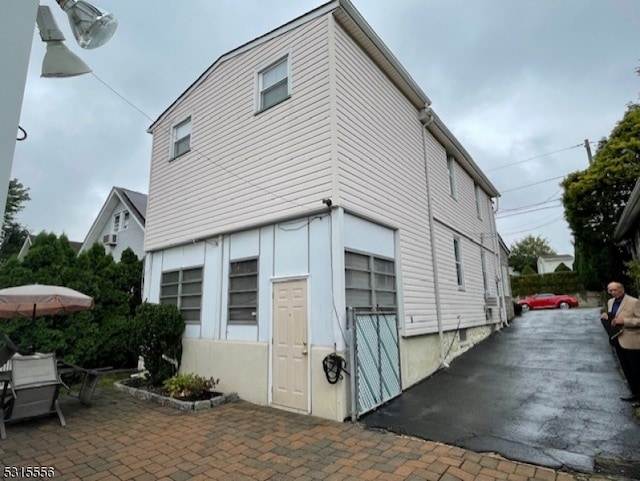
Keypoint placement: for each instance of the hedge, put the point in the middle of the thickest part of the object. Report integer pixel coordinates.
(556, 282)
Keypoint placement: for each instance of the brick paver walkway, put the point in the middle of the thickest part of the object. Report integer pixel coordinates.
(122, 438)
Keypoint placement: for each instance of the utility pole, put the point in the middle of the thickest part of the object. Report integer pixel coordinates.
(587, 146)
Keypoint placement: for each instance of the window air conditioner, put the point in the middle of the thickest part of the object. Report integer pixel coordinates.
(110, 239)
(491, 301)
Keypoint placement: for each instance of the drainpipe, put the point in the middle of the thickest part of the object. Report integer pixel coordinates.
(501, 280)
(427, 117)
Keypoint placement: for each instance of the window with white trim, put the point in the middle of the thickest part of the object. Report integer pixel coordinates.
(274, 84)
(451, 168)
(243, 292)
(370, 282)
(121, 221)
(457, 251)
(181, 138)
(183, 288)
(125, 220)
(478, 201)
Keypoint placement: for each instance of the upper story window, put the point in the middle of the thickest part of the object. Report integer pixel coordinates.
(181, 138)
(273, 84)
(478, 201)
(451, 167)
(121, 221)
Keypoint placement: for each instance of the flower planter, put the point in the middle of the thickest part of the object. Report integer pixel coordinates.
(176, 403)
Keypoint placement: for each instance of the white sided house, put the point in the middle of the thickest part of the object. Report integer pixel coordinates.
(120, 224)
(302, 174)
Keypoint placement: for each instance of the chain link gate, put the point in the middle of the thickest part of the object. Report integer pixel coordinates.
(375, 360)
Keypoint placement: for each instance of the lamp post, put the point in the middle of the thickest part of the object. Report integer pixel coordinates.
(90, 26)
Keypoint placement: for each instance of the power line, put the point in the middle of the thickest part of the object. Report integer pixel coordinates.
(537, 157)
(529, 229)
(535, 183)
(528, 206)
(529, 211)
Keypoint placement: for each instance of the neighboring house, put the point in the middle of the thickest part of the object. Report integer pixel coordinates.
(120, 223)
(28, 242)
(506, 279)
(548, 264)
(301, 174)
(628, 227)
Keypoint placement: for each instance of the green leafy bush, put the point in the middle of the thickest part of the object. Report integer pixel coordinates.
(557, 282)
(189, 385)
(159, 329)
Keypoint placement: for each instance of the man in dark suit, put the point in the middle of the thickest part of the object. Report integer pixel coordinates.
(624, 311)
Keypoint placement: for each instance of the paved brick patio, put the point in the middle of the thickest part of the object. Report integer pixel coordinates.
(123, 438)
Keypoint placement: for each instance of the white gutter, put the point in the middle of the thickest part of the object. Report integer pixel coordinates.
(426, 116)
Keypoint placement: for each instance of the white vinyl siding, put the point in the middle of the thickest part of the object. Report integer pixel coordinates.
(485, 273)
(381, 170)
(479, 203)
(250, 169)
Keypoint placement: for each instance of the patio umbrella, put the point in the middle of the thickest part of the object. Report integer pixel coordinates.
(41, 300)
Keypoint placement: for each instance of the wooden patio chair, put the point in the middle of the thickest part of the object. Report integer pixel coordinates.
(35, 384)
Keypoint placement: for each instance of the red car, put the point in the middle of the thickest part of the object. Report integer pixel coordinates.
(548, 301)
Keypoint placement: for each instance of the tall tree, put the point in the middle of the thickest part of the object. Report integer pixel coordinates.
(13, 234)
(526, 251)
(594, 199)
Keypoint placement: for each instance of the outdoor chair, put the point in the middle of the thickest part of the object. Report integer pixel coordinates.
(34, 390)
(7, 350)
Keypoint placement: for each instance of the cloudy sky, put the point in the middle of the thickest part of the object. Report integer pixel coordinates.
(521, 84)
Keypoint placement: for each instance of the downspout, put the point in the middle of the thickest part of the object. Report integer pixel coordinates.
(501, 280)
(427, 117)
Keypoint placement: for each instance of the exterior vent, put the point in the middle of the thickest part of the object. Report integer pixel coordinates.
(110, 239)
(491, 301)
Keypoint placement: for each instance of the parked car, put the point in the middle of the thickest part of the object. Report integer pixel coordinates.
(548, 301)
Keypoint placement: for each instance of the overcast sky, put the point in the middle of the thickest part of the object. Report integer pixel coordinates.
(513, 80)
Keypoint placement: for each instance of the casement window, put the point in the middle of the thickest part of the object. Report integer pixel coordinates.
(243, 292)
(478, 201)
(273, 84)
(183, 288)
(451, 168)
(121, 221)
(181, 138)
(457, 252)
(485, 274)
(370, 282)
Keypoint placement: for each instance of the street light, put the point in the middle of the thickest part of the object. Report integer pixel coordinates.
(90, 25)
(58, 61)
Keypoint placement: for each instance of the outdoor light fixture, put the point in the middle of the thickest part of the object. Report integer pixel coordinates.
(59, 61)
(90, 25)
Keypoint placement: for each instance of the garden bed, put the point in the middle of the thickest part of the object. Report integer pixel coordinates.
(140, 390)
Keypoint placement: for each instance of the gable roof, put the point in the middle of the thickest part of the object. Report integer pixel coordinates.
(352, 21)
(135, 202)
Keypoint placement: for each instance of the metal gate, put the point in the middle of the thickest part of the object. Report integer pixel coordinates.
(375, 360)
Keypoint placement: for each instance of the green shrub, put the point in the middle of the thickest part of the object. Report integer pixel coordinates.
(159, 329)
(528, 271)
(189, 385)
(562, 267)
(557, 282)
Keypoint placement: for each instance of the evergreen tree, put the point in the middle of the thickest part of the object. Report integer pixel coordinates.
(13, 234)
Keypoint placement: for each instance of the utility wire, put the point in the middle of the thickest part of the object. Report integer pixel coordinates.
(535, 183)
(514, 209)
(529, 211)
(538, 156)
(552, 221)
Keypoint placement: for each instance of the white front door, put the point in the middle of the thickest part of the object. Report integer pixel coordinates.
(290, 349)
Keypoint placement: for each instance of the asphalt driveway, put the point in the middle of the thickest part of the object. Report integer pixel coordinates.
(543, 391)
